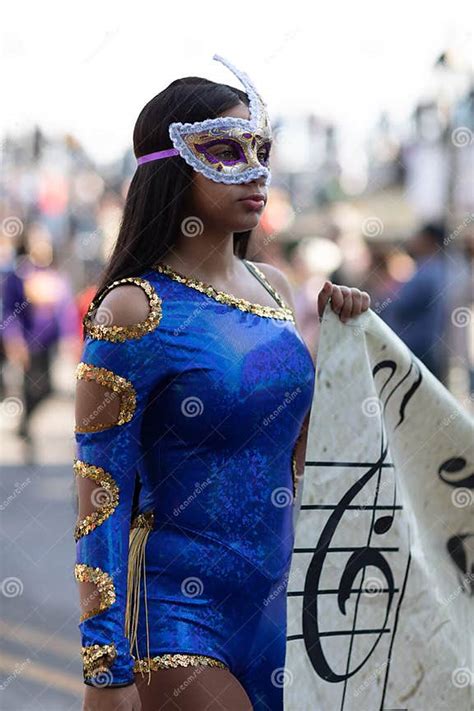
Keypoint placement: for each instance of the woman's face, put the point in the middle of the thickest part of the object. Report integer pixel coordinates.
(221, 205)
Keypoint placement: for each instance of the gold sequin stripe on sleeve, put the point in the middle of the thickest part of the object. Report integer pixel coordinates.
(107, 496)
(87, 574)
(119, 334)
(117, 384)
(97, 658)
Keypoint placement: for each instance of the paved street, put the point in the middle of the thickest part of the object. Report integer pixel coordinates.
(40, 664)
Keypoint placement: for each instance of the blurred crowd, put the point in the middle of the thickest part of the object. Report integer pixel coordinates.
(402, 229)
(422, 290)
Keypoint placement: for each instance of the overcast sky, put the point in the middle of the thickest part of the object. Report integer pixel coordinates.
(89, 67)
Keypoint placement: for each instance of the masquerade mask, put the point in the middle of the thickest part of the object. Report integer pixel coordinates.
(225, 149)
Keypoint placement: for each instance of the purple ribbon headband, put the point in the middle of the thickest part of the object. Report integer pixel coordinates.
(157, 155)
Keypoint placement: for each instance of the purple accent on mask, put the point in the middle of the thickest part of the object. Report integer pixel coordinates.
(203, 148)
(157, 155)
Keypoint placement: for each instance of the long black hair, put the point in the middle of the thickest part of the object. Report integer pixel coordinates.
(160, 190)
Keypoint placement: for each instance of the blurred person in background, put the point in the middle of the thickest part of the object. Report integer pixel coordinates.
(379, 282)
(7, 258)
(459, 337)
(85, 295)
(311, 260)
(418, 312)
(39, 315)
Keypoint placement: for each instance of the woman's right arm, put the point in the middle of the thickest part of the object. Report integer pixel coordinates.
(119, 366)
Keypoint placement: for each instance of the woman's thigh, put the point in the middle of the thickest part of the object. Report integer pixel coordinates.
(199, 688)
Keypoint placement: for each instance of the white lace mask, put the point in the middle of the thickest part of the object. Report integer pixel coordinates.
(225, 149)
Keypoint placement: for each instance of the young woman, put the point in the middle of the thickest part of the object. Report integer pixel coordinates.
(192, 403)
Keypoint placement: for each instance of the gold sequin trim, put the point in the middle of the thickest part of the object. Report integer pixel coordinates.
(97, 658)
(283, 312)
(87, 574)
(144, 520)
(123, 333)
(276, 295)
(107, 497)
(117, 384)
(166, 661)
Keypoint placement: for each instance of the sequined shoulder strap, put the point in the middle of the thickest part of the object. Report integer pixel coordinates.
(263, 280)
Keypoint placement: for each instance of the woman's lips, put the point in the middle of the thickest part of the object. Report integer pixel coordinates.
(254, 203)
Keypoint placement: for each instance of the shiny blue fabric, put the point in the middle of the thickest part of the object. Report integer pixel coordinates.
(221, 397)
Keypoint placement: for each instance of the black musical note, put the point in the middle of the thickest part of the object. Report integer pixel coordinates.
(455, 466)
(453, 473)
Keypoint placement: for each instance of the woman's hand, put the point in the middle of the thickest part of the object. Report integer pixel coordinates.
(345, 301)
(125, 698)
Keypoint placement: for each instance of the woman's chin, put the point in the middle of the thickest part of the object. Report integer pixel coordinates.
(248, 224)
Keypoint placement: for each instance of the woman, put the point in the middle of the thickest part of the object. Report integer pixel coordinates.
(191, 409)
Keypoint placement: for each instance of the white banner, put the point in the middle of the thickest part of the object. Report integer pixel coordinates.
(381, 588)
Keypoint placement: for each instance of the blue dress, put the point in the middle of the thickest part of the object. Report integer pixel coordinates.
(190, 538)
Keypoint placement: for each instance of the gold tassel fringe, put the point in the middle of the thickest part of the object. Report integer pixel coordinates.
(140, 529)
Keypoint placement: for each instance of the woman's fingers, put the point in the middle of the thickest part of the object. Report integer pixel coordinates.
(323, 297)
(337, 299)
(365, 301)
(346, 310)
(345, 301)
(356, 302)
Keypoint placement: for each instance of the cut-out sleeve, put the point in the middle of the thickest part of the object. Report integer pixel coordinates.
(119, 367)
